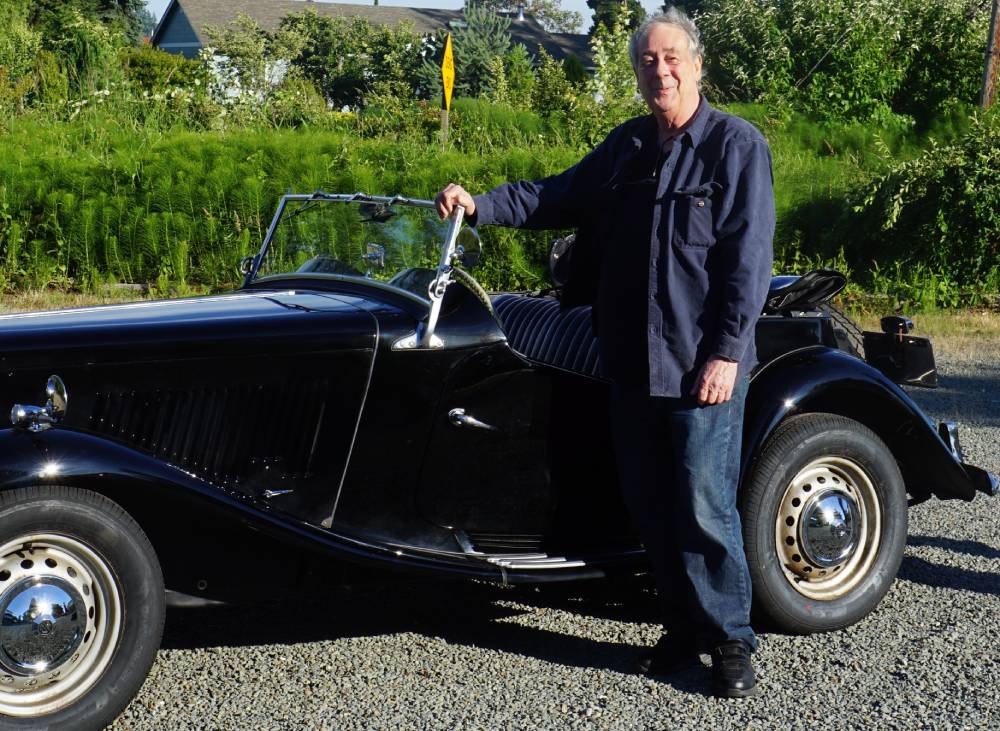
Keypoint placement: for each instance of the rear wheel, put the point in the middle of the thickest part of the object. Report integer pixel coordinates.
(824, 519)
(82, 605)
(850, 337)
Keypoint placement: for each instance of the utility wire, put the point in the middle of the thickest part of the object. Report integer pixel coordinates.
(828, 52)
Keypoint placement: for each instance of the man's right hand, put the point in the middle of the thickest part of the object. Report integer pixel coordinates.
(454, 195)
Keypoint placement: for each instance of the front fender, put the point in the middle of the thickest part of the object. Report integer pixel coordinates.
(187, 518)
(820, 379)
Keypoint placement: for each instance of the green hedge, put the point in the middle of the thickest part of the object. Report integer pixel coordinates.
(80, 205)
(102, 198)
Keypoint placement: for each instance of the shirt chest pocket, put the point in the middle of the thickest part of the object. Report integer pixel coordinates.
(694, 222)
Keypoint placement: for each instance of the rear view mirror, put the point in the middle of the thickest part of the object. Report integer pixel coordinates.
(468, 248)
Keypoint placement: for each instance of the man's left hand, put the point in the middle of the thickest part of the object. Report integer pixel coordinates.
(714, 384)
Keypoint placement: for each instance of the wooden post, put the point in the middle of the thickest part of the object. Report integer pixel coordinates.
(989, 92)
(444, 127)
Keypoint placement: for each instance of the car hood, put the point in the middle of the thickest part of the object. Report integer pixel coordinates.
(235, 321)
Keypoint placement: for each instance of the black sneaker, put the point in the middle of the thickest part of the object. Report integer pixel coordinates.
(671, 653)
(732, 671)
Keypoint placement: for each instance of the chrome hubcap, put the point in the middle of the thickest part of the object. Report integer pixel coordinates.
(60, 621)
(828, 528)
(43, 624)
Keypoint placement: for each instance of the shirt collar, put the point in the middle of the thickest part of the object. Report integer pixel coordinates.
(693, 129)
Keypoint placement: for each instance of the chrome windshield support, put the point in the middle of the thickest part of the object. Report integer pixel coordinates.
(436, 290)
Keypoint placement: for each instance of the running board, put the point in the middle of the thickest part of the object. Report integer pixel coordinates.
(539, 561)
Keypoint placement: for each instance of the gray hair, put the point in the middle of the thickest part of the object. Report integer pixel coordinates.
(672, 16)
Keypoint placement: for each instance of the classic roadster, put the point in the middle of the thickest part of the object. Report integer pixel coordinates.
(361, 403)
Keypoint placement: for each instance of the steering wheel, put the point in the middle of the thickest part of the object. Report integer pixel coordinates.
(476, 288)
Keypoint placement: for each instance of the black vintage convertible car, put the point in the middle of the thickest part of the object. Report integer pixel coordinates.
(360, 403)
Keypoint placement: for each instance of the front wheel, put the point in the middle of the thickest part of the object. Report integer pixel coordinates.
(824, 523)
(82, 606)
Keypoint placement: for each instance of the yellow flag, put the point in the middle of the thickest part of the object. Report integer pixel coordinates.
(448, 72)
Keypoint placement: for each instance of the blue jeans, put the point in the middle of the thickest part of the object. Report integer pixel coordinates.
(679, 465)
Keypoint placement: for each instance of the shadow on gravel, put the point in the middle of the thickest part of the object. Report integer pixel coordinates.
(977, 397)
(970, 548)
(948, 577)
(472, 614)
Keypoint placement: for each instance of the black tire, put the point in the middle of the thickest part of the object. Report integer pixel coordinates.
(829, 459)
(75, 549)
(850, 337)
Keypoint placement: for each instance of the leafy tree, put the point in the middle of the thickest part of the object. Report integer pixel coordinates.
(552, 94)
(938, 212)
(18, 42)
(127, 17)
(151, 70)
(86, 49)
(606, 11)
(549, 13)
(613, 82)
(251, 63)
(575, 70)
(611, 95)
(131, 14)
(484, 37)
(520, 72)
(859, 59)
(345, 57)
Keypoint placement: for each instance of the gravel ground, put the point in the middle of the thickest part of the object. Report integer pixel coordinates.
(479, 656)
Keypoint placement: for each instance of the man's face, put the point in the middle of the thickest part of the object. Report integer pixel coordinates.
(667, 73)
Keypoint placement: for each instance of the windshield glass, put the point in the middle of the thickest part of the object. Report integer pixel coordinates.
(398, 244)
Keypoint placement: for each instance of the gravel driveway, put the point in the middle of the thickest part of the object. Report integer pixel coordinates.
(478, 656)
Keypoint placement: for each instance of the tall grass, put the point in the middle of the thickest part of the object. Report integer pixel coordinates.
(90, 202)
(108, 196)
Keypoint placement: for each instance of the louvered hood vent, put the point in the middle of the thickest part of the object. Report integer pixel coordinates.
(226, 435)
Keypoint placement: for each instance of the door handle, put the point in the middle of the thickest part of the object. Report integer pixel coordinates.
(458, 417)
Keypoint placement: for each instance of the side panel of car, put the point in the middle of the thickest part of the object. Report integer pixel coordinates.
(824, 380)
(270, 413)
(210, 542)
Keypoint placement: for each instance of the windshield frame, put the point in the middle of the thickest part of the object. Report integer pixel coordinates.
(252, 272)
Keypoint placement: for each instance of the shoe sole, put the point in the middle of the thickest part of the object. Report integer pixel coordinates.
(735, 692)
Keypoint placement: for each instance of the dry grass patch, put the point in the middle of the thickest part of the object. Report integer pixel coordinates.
(966, 335)
(49, 299)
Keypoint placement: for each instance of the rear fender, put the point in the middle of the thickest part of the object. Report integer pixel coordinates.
(820, 379)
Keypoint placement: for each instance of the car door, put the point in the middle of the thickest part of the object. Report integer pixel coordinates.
(485, 470)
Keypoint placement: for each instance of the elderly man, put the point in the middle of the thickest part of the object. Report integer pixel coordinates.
(678, 209)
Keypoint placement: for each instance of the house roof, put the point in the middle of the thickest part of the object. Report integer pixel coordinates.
(198, 14)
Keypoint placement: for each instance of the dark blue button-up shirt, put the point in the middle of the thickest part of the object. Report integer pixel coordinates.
(682, 236)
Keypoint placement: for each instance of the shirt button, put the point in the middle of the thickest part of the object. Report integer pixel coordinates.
(701, 204)
(652, 329)
(652, 298)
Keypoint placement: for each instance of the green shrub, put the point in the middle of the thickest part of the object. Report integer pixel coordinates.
(152, 70)
(854, 59)
(938, 213)
(346, 57)
(484, 36)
